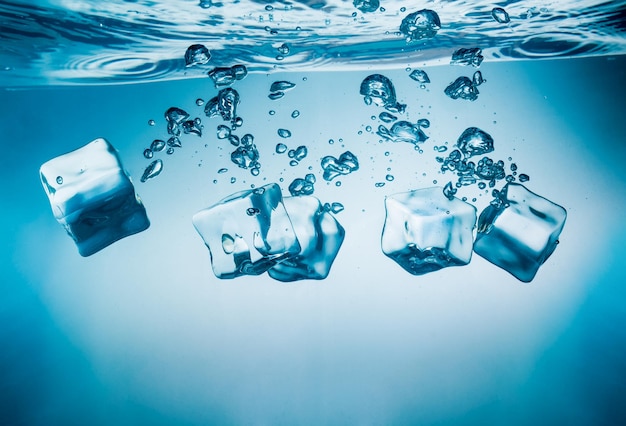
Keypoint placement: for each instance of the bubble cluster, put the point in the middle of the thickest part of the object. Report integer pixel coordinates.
(402, 131)
(463, 56)
(197, 54)
(344, 165)
(226, 76)
(379, 90)
(423, 24)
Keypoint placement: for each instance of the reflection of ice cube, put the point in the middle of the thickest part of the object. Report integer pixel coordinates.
(248, 232)
(92, 196)
(520, 232)
(425, 231)
(320, 237)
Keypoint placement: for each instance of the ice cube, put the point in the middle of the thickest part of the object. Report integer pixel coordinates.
(320, 237)
(519, 231)
(425, 231)
(241, 243)
(92, 196)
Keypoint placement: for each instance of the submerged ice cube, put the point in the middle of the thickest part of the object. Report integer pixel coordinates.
(425, 231)
(320, 237)
(519, 231)
(241, 243)
(92, 196)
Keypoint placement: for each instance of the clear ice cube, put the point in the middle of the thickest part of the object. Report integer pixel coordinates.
(93, 197)
(320, 237)
(519, 231)
(425, 231)
(241, 243)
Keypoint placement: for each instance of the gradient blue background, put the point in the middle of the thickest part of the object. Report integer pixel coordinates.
(143, 333)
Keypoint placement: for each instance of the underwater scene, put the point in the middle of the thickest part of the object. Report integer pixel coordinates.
(313, 212)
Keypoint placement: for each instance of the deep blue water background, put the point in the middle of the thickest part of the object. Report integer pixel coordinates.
(143, 333)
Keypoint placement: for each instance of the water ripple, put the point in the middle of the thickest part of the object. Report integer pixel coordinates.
(69, 42)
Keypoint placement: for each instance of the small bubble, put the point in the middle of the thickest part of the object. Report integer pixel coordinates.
(284, 49)
(272, 112)
(60, 180)
(524, 177)
(223, 132)
(151, 122)
(251, 211)
(368, 128)
(269, 7)
(331, 141)
(233, 179)
(148, 153)
(276, 95)
(295, 114)
(199, 101)
(153, 170)
(255, 171)
(222, 170)
(338, 183)
(157, 145)
(284, 133)
(336, 207)
(379, 184)
(170, 150)
(389, 178)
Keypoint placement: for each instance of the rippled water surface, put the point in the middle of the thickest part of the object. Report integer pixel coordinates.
(76, 42)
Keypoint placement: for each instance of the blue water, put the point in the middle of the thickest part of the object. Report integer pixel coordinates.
(143, 333)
